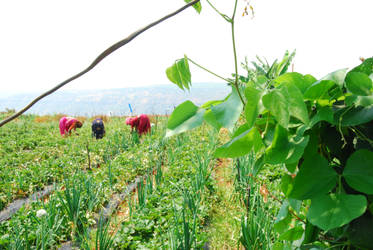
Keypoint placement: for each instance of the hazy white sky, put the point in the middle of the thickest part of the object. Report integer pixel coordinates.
(44, 42)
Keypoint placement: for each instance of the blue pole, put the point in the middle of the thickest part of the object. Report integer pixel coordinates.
(129, 105)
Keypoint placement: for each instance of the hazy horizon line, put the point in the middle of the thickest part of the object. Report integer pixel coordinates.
(8, 93)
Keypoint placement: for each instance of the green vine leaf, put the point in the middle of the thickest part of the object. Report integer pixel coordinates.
(337, 76)
(295, 204)
(275, 101)
(359, 171)
(315, 177)
(291, 167)
(179, 73)
(353, 116)
(359, 83)
(251, 108)
(292, 234)
(310, 79)
(242, 143)
(286, 184)
(196, 6)
(283, 212)
(283, 219)
(278, 151)
(297, 107)
(285, 150)
(311, 233)
(186, 116)
(209, 104)
(297, 79)
(211, 119)
(228, 112)
(319, 90)
(296, 149)
(332, 82)
(323, 114)
(209, 115)
(335, 210)
(359, 100)
(181, 113)
(360, 232)
(366, 67)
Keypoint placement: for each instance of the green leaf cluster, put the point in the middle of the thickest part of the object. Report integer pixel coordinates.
(321, 131)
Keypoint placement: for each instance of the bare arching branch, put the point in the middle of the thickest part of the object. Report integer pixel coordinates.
(104, 54)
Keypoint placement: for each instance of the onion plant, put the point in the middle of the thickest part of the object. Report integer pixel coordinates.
(149, 183)
(51, 223)
(104, 240)
(19, 243)
(158, 174)
(256, 230)
(243, 181)
(71, 200)
(141, 194)
(183, 235)
(203, 173)
(257, 223)
(110, 175)
(92, 191)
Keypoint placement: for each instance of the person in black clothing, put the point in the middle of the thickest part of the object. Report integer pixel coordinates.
(98, 128)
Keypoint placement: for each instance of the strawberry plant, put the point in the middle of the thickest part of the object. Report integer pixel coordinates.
(320, 131)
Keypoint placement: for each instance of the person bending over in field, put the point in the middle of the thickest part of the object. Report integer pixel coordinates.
(98, 128)
(67, 124)
(141, 124)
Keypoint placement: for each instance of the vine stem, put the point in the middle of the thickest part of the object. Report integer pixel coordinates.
(340, 126)
(291, 211)
(235, 54)
(104, 54)
(226, 18)
(208, 70)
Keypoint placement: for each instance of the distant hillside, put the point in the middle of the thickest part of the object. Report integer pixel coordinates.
(159, 99)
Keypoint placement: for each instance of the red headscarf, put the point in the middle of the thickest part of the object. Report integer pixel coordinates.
(141, 123)
(67, 124)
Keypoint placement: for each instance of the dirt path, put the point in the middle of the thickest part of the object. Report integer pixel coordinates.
(224, 230)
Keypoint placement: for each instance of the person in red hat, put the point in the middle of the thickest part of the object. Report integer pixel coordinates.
(141, 124)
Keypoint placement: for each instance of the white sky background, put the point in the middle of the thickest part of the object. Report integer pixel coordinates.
(44, 42)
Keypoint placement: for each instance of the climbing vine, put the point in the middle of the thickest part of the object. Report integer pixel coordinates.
(320, 130)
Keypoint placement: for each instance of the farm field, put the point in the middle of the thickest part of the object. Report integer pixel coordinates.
(286, 164)
(282, 162)
(179, 199)
(290, 170)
